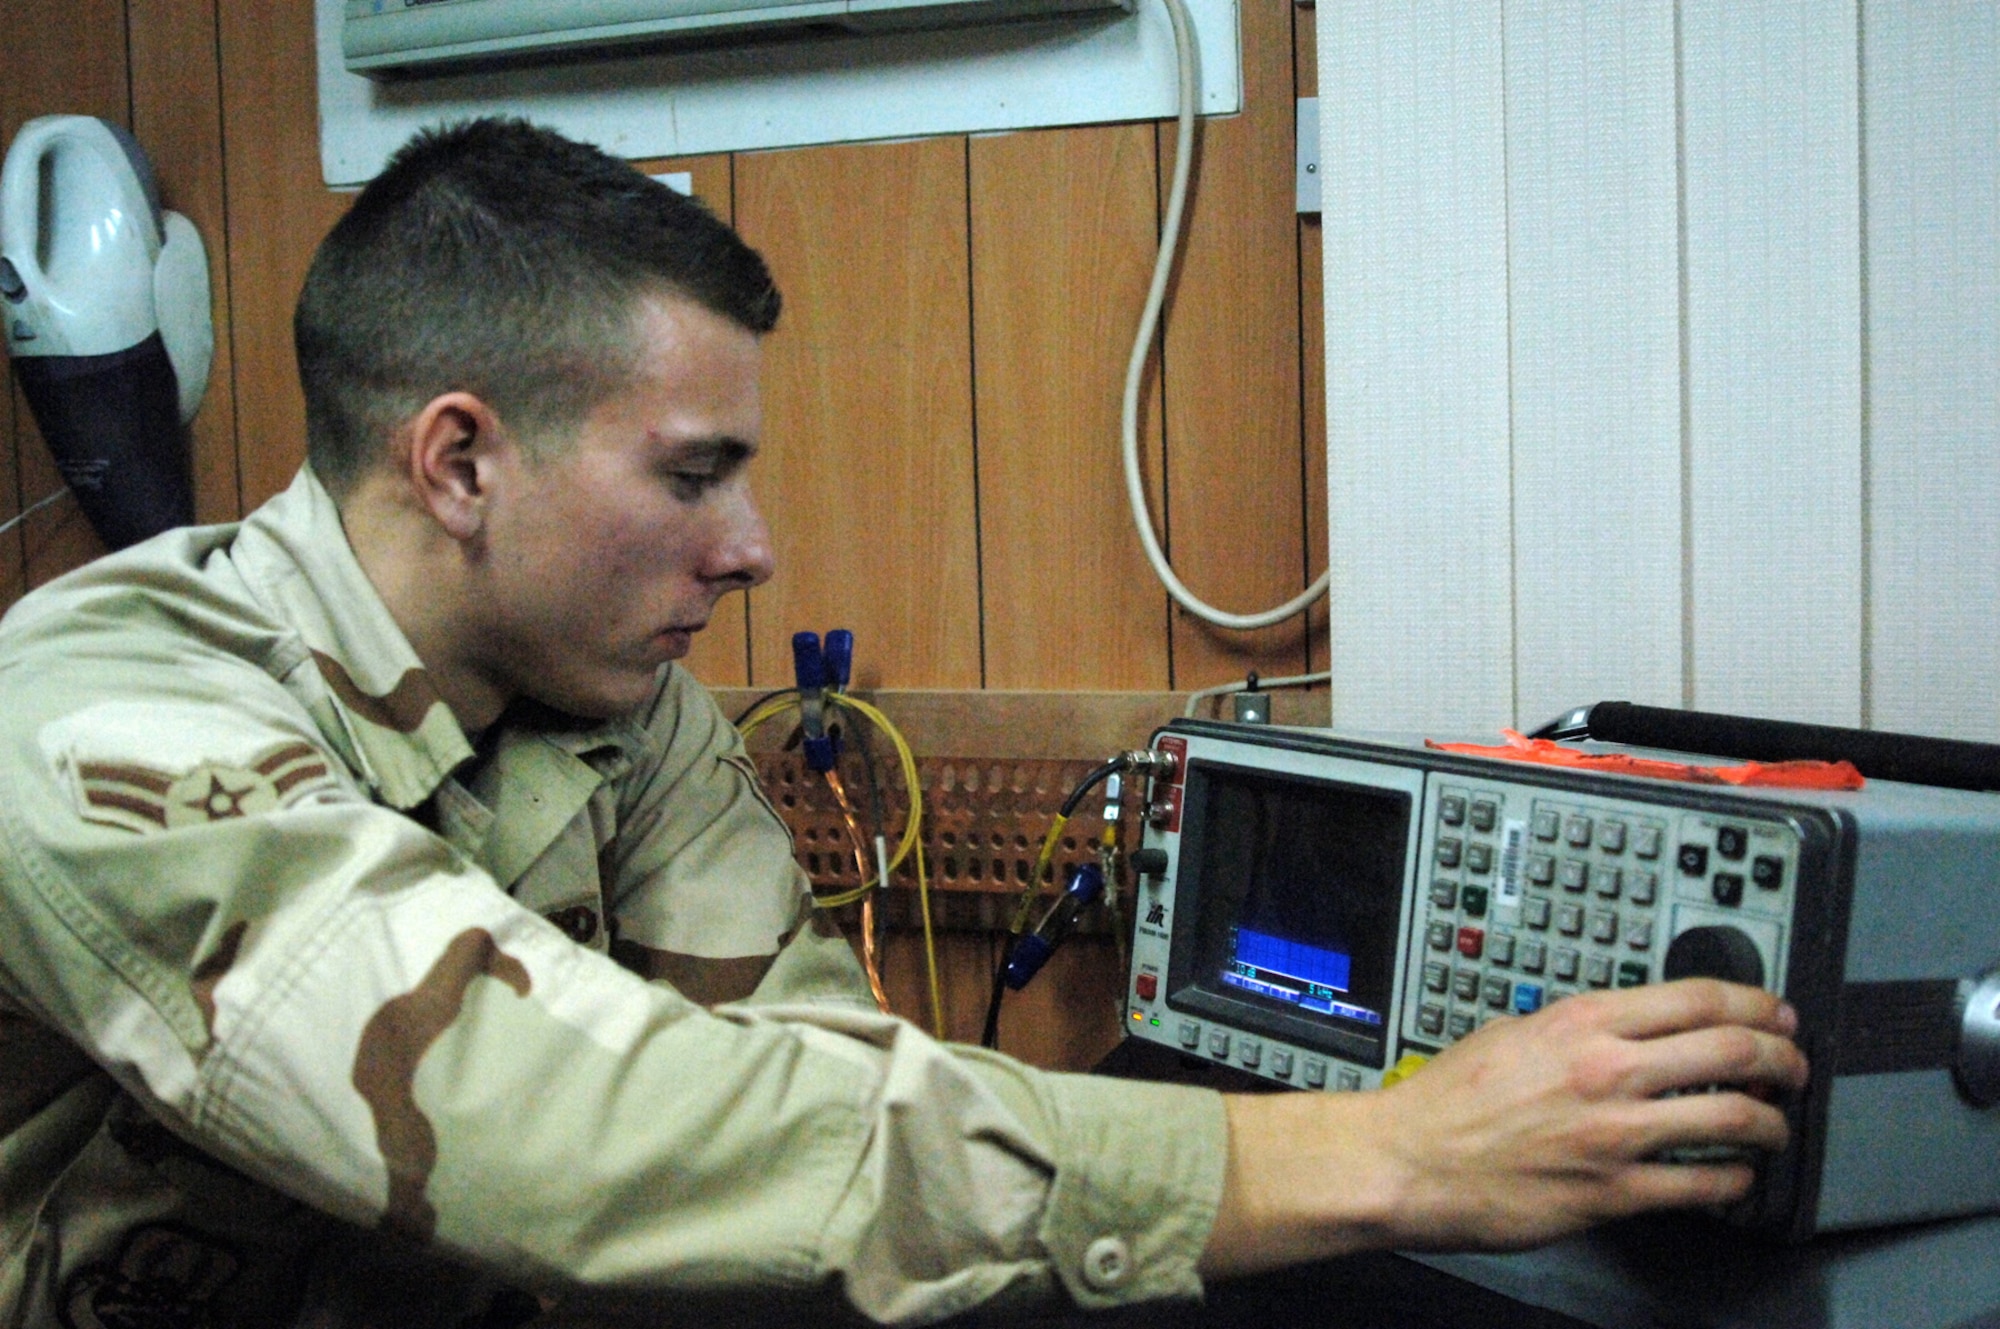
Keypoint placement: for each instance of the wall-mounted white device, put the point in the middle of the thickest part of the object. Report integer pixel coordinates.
(105, 301)
(384, 38)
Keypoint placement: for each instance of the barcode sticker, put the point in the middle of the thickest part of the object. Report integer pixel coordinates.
(1513, 835)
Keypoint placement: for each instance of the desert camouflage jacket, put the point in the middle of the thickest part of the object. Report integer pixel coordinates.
(311, 1013)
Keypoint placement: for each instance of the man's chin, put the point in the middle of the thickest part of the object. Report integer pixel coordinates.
(602, 699)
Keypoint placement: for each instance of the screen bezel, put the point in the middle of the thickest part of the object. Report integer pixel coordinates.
(1189, 992)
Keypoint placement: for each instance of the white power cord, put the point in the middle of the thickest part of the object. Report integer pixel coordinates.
(1170, 234)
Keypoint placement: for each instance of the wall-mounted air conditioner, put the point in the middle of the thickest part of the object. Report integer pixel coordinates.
(384, 38)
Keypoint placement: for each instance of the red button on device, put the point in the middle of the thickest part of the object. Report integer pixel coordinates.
(1147, 986)
(1471, 941)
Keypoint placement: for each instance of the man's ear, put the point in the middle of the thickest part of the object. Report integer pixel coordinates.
(453, 444)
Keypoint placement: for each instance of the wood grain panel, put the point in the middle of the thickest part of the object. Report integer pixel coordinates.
(62, 60)
(721, 655)
(965, 966)
(1234, 459)
(868, 473)
(278, 211)
(1067, 1019)
(177, 115)
(1063, 244)
(1305, 50)
(1059, 724)
(871, 476)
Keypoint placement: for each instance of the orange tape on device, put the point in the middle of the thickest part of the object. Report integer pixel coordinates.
(1775, 774)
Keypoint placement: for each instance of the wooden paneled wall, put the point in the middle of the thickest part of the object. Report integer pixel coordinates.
(942, 395)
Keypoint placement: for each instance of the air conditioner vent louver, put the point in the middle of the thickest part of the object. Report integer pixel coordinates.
(384, 38)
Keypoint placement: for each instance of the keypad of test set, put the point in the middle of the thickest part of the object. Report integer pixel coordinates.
(1529, 896)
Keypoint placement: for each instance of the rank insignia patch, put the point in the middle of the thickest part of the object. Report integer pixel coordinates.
(139, 798)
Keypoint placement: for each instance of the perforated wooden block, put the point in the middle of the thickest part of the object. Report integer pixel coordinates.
(984, 821)
(986, 810)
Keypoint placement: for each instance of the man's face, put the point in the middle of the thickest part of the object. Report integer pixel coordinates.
(606, 558)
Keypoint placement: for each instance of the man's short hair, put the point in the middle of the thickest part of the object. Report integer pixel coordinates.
(501, 259)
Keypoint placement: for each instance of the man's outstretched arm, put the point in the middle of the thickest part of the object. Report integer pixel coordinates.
(1526, 1132)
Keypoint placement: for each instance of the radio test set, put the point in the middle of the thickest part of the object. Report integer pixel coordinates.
(1325, 912)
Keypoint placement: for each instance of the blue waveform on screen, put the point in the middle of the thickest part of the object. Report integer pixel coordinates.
(1292, 959)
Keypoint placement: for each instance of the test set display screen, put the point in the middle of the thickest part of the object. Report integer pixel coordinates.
(1297, 891)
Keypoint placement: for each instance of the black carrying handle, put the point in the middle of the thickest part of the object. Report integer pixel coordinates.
(1949, 763)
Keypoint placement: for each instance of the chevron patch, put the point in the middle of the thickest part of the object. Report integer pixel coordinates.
(139, 798)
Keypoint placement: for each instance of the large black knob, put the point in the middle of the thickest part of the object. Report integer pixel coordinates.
(1719, 951)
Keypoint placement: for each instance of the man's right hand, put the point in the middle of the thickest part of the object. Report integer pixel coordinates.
(1529, 1130)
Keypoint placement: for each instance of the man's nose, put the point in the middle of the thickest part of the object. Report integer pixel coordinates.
(742, 552)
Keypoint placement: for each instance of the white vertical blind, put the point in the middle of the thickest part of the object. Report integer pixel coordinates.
(1594, 296)
(1932, 95)
(1414, 196)
(1736, 444)
(1773, 206)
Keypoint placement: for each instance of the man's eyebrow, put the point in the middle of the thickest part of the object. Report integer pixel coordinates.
(726, 450)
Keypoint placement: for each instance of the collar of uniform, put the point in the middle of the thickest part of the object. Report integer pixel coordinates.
(538, 773)
(401, 737)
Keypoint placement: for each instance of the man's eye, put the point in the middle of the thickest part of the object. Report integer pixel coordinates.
(690, 486)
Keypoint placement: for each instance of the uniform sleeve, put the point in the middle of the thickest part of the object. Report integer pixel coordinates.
(325, 995)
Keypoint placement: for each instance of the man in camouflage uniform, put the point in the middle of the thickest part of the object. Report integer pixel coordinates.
(390, 934)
